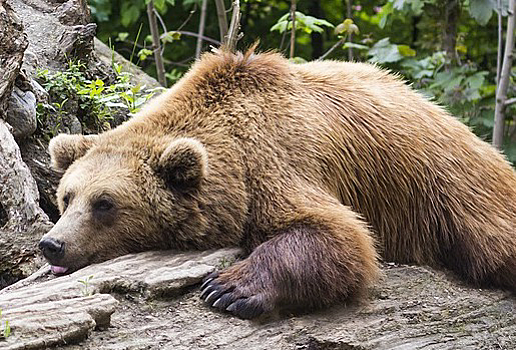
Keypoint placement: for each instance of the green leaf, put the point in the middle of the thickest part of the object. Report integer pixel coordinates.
(504, 7)
(171, 36)
(387, 9)
(339, 28)
(453, 83)
(481, 10)
(406, 51)
(280, 27)
(130, 13)
(122, 36)
(144, 53)
(383, 51)
(417, 7)
(159, 4)
(476, 80)
(297, 60)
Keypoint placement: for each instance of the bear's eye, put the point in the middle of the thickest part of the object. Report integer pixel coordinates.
(103, 204)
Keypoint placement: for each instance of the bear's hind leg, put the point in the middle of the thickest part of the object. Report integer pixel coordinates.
(323, 255)
(484, 259)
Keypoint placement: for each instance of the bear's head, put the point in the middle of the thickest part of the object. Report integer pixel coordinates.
(120, 197)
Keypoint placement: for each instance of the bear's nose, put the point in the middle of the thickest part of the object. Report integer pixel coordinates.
(52, 248)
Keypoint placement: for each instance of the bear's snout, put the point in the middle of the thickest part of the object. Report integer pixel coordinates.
(52, 249)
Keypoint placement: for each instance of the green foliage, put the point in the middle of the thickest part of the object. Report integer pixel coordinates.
(171, 36)
(347, 27)
(85, 286)
(466, 91)
(304, 23)
(405, 36)
(93, 101)
(384, 52)
(144, 53)
(482, 10)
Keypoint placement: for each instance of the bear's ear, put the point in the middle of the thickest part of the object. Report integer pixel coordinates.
(183, 164)
(65, 149)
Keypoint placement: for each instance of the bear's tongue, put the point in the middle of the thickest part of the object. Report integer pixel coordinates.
(58, 269)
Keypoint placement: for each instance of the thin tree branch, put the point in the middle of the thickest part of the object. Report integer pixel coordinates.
(510, 101)
(205, 38)
(500, 42)
(188, 18)
(283, 36)
(223, 21)
(501, 91)
(165, 30)
(156, 44)
(182, 32)
(233, 34)
(330, 50)
(293, 32)
(350, 16)
(202, 23)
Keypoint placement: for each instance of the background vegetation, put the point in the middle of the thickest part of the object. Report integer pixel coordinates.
(446, 48)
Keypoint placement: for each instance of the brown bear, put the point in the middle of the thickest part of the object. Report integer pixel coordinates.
(315, 169)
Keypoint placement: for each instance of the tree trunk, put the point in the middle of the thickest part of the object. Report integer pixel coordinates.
(156, 44)
(202, 24)
(293, 31)
(451, 19)
(222, 19)
(505, 75)
(234, 28)
(349, 14)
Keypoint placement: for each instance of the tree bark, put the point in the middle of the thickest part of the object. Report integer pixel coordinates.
(451, 18)
(349, 14)
(293, 32)
(156, 44)
(202, 24)
(500, 42)
(234, 29)
(503, 84)
(222, 19)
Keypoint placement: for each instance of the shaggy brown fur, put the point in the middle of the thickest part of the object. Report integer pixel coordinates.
(300, 164)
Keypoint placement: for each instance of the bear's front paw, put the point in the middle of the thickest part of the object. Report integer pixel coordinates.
(242, 299)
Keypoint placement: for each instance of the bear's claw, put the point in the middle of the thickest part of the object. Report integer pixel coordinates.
(247, 308)
(231, 299)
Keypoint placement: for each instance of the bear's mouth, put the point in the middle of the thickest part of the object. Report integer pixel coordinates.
(58, 270)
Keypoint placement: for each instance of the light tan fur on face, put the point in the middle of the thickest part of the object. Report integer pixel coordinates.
(306, 161)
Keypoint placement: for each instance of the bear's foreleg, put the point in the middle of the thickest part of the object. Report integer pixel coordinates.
(323, 256)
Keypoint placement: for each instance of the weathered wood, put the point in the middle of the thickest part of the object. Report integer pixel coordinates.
(45, 310)
(411, 308)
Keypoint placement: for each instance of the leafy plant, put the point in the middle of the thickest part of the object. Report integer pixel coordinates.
(305, 23)
(85, 286)
(384, 51)
(95, 100)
